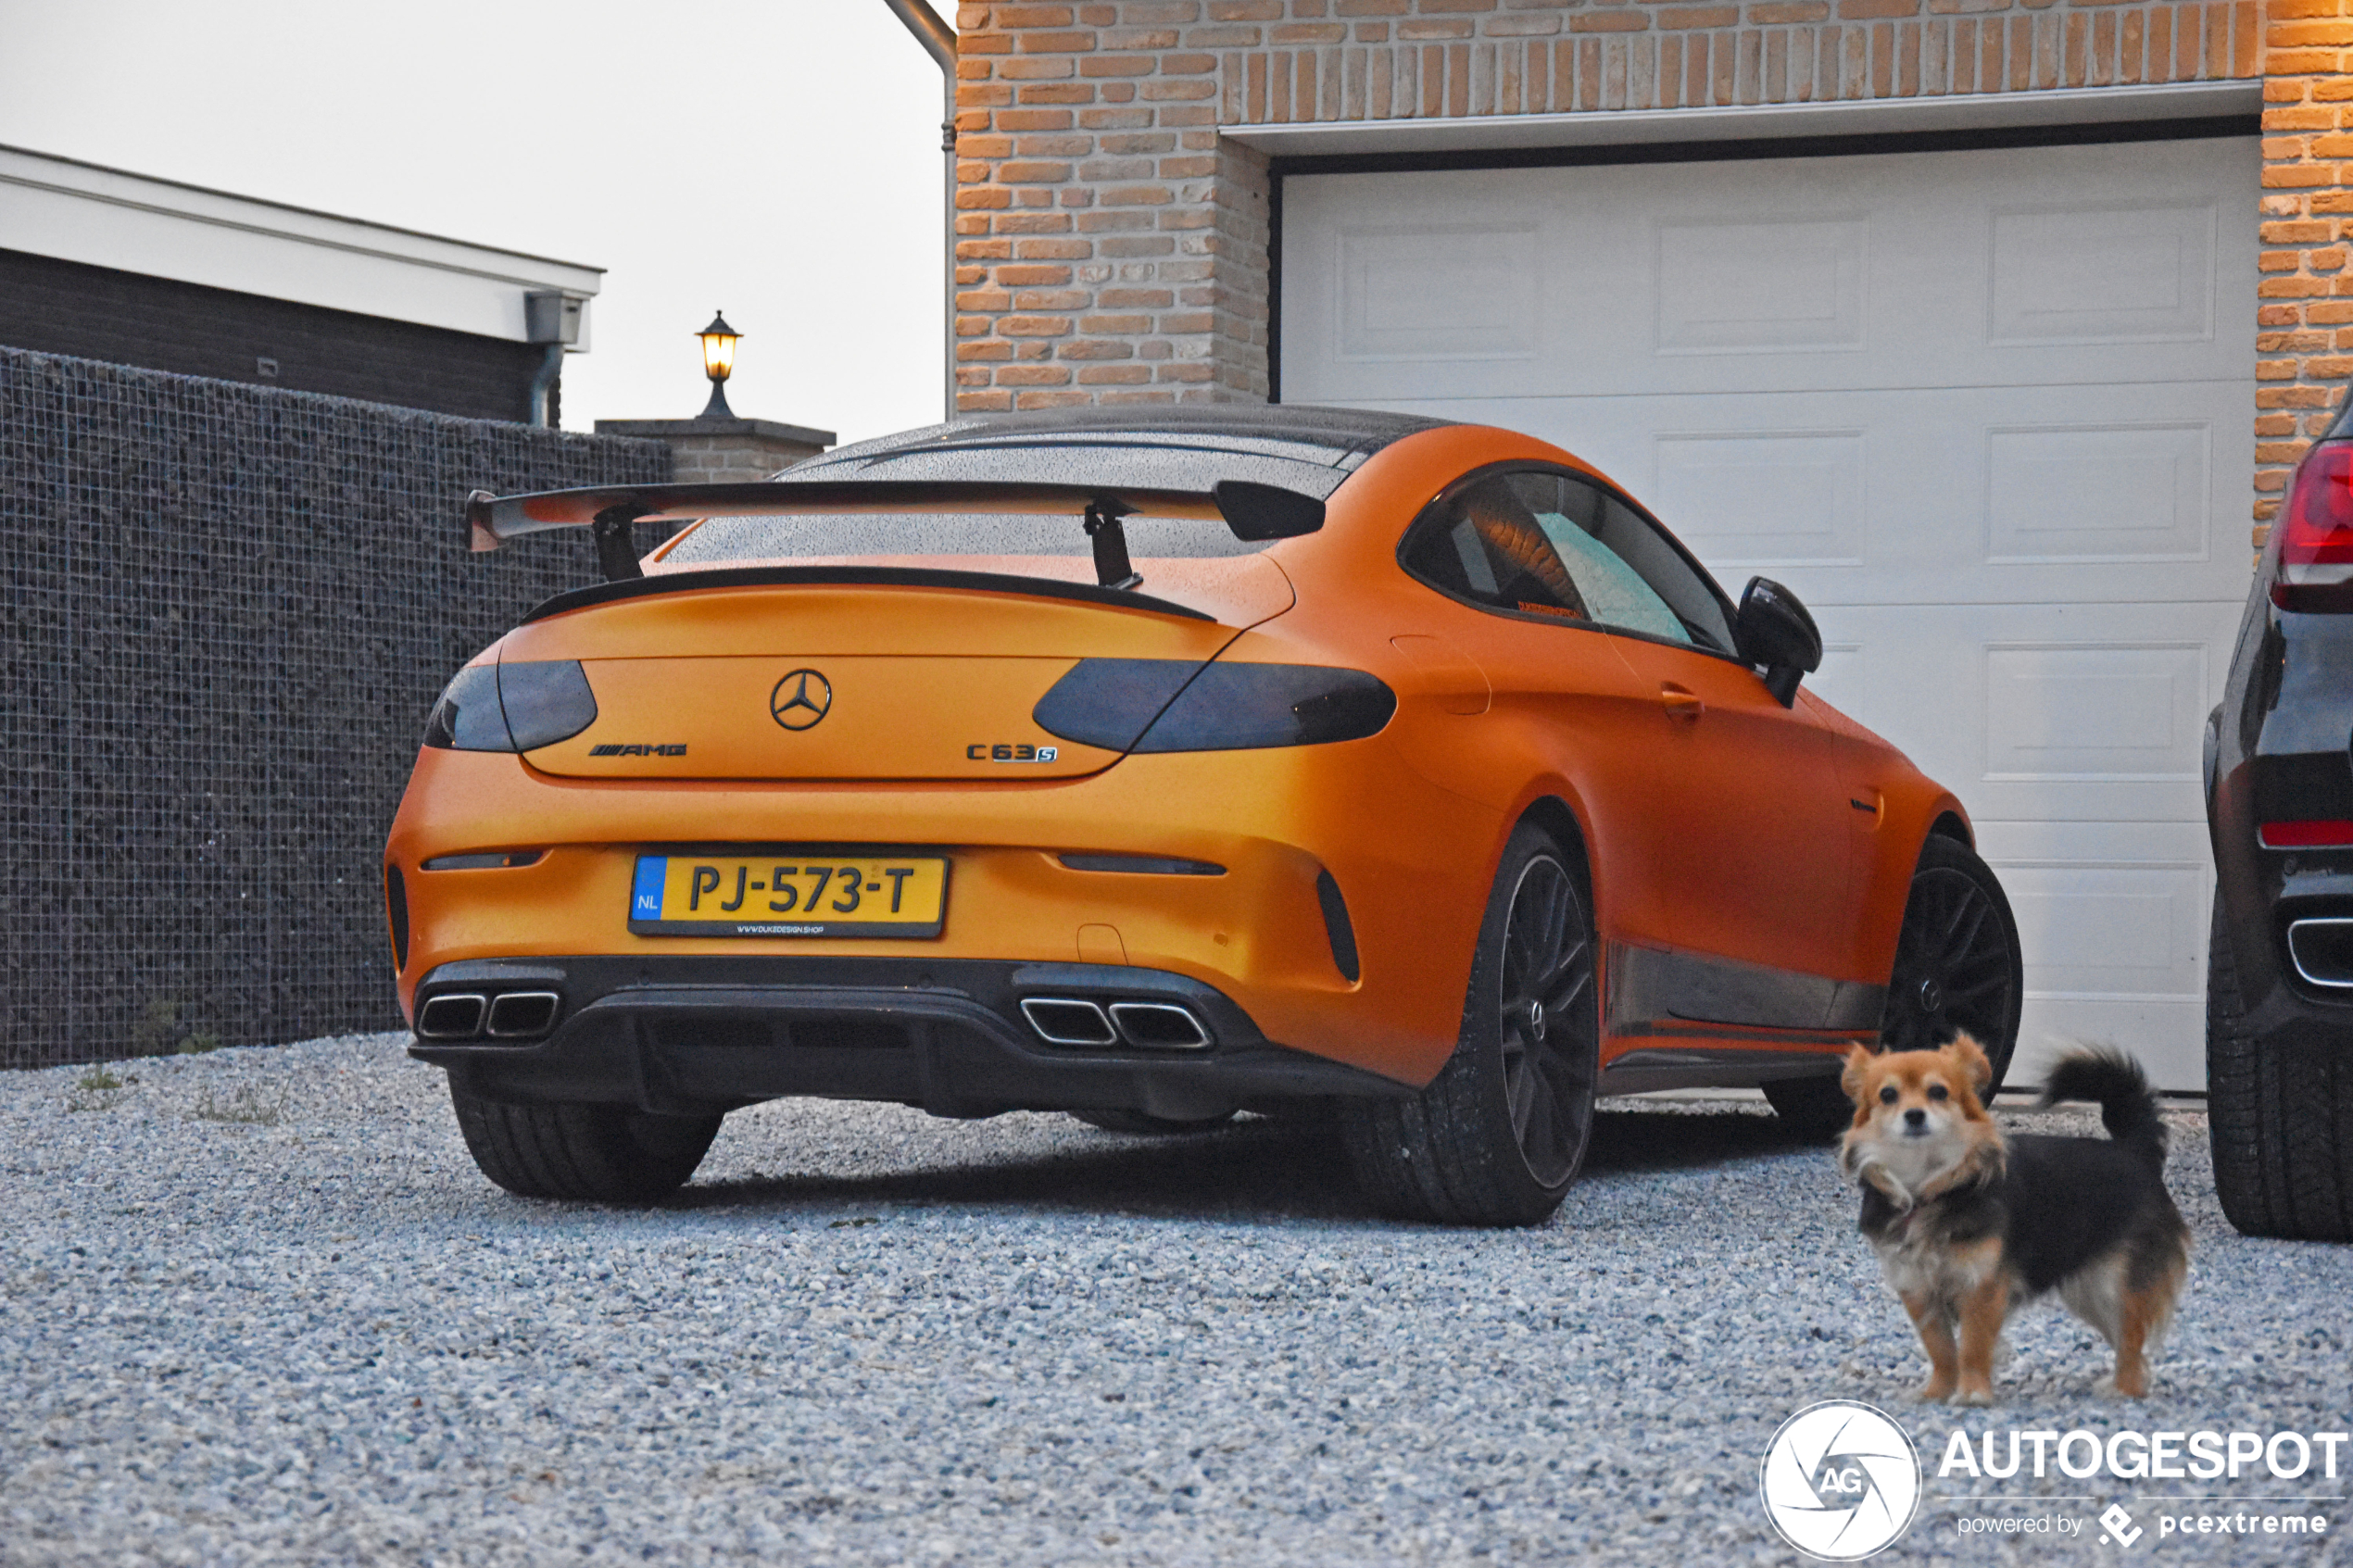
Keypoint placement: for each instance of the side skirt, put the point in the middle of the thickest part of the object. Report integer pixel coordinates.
(1647, 1068)
(1723, 1024)
(1664, 991)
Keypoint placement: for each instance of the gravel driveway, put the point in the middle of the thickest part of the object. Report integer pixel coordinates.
(260, 1308)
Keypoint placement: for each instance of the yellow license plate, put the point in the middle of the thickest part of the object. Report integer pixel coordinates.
(788, 894)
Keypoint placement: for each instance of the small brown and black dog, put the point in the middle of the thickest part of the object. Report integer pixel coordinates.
(1968, 1223)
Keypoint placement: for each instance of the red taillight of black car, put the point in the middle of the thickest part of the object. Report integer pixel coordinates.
(2316, 533)
(2324, 834)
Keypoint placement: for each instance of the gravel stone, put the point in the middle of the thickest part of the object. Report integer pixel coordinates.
(260, 1308)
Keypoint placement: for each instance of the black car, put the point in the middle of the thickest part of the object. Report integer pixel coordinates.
(2279, 801)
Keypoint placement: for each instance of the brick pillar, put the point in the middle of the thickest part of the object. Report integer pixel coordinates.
(1109, 249)
(724, 451)
(2305, 322)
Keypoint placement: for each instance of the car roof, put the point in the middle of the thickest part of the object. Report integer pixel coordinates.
(1298, 446)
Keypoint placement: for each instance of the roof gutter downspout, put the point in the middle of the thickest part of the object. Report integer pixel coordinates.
(543, 381)
(939, 42)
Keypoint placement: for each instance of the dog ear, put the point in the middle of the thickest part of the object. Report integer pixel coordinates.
(1858, 1062)
(1969, 1057)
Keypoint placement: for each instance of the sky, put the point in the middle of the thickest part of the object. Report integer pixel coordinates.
(778, 161)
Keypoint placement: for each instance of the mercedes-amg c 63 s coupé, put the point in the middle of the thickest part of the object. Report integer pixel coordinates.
(1154, 765)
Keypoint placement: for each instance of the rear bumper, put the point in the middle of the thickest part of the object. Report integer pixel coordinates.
(1411, 862)
(688, 1033)
(2275, 905)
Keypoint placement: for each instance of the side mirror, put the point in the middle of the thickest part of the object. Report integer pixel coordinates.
(1774, 632)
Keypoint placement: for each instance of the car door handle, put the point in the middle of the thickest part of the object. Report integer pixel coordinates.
(1680, 702)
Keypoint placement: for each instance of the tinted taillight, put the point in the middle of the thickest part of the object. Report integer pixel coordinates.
(468, 717)
(1240, 706)
(2316, 533)
(1177, 704)
(546, 700)
(1108, 702)
(517, 707)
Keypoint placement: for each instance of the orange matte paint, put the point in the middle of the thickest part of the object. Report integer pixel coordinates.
(1712, 818)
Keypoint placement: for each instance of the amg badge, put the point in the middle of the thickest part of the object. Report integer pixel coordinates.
(677, 751)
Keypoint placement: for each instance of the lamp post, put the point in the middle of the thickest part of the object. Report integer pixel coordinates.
(718, 363)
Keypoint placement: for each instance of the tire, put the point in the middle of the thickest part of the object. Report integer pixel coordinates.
(1957, 968)
(2280, 1118)
(591, 1153)
(1163, 1126)
(1498, 1136)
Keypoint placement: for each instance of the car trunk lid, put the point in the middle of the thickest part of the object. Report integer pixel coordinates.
(805, 673)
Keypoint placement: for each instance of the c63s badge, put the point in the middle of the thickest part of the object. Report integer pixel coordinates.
(984, 751)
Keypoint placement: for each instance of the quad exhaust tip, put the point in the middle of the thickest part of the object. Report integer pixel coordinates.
(1162, 1024)
(518, 1015)
(1066, 1021)
(453, 1017)
(468, 1015)
(1074, 1021)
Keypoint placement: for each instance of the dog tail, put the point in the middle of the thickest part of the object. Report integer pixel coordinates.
(2128, 1107)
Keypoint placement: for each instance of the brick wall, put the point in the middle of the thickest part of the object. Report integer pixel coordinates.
(1111, 246)
(2304, 320)
(724, 451)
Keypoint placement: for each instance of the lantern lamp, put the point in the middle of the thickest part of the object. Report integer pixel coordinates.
(718, 363)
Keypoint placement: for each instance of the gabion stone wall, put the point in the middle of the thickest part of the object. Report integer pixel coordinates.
(228, 610)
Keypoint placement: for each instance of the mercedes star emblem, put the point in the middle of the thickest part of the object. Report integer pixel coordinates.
(801, 699)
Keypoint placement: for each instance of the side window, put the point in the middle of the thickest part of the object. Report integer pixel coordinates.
(1487, 546)
(1553, 544)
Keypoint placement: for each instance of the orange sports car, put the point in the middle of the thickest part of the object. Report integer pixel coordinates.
(1154, 765)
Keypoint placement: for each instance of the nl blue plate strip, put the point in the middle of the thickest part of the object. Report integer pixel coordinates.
(645, 900)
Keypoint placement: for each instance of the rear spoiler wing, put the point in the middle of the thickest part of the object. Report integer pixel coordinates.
(1255, 512)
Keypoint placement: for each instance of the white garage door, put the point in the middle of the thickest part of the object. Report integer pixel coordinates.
(1990, 413)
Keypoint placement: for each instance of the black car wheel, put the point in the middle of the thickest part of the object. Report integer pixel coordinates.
(2280, 1118)
(1958, 970)
(596, 1153)
(1497, 1136)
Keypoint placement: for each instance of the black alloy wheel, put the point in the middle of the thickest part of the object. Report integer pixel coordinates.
(1548, 971)
(1498, 1136)
(1958, 970)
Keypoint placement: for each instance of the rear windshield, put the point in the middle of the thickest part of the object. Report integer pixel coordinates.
(1131, 462)
(829, 536)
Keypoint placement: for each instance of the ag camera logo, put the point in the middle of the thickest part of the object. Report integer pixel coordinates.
(1840, 1481)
